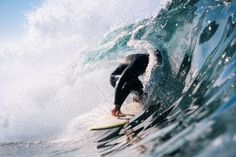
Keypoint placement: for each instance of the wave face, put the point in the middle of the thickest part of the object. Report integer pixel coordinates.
(191, 97)
(62, 76)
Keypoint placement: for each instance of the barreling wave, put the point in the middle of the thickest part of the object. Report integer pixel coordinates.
(191, 99)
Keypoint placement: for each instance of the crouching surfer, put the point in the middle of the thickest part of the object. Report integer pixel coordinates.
(125, 79)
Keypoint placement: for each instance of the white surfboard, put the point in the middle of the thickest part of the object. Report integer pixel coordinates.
(110, 122)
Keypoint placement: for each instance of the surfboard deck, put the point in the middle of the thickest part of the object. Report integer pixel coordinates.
(109, 122)
(109, 127)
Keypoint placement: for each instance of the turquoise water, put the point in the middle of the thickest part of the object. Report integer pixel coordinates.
(191, 103)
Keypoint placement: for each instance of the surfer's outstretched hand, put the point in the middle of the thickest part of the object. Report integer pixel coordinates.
(116, 112)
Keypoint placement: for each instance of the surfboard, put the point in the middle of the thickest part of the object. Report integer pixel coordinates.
(110, 122)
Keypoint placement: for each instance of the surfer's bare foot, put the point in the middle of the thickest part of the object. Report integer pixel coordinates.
(116, 112)
(120, 114)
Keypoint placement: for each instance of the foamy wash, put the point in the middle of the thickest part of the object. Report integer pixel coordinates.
(55, 85)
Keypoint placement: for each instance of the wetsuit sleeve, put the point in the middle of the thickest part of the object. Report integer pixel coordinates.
(121, 81)
(116, 74)
(119, 69)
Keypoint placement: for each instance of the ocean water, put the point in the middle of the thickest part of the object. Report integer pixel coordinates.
(55, 84)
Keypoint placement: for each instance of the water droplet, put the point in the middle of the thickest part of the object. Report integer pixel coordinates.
(162, 26)
(213, 81)
(176, 24)
(227, 59)
(209, 21)
(209, 28)
(217, 142)
(223, 55)
(233, 42)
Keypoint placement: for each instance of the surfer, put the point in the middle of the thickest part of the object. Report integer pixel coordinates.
(125, 79)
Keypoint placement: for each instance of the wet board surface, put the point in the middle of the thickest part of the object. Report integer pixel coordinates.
(109, 122)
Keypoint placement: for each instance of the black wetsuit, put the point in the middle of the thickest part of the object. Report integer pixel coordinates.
(125, 77)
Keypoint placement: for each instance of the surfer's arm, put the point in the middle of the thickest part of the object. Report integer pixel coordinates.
(119, 69)
(119, 95)
(123, 78)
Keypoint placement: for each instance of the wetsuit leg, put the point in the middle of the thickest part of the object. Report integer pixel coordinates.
(131, 85)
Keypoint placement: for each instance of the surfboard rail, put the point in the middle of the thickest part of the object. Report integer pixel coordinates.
(110, 126)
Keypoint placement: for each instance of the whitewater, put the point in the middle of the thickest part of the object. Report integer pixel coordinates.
(55, 82)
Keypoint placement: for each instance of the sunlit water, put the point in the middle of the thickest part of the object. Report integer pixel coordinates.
(52, 94)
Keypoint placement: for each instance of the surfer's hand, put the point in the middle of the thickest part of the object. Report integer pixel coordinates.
(116, 112)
